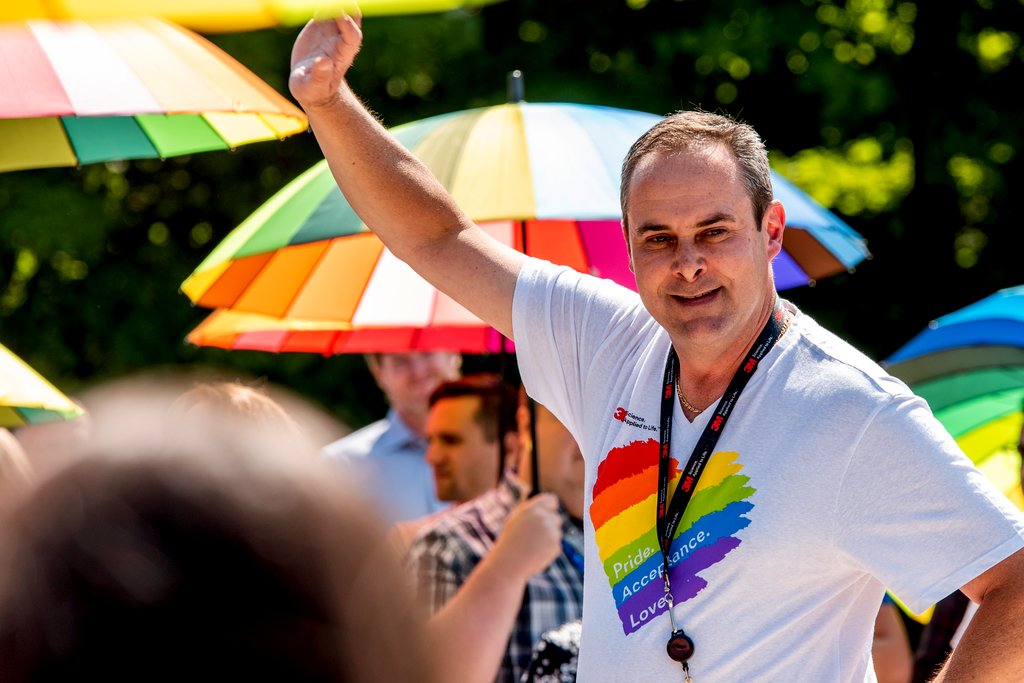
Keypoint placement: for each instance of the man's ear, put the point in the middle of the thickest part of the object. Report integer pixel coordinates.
(629, 249)
(773, 223)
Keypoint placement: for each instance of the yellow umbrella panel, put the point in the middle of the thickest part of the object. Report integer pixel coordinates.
(26, 397)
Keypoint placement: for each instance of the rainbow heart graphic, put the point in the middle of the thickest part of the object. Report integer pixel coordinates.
(623, 515)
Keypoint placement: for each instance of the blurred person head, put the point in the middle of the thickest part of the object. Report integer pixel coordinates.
(159, 554)
(471, 422)
(249, 402)
(559, 459)
(408, 379)
(15, 470)
(192, 408)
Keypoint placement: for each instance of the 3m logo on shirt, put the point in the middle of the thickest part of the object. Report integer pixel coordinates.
(623, 514)
(632, 419)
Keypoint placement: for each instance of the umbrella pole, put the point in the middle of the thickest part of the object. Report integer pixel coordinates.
(515, 87)
(534, 470)
(534, 474)
(502, 410)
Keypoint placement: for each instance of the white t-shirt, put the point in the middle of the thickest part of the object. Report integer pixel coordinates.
(830, 482)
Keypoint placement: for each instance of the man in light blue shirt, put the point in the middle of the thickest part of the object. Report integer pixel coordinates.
(385, 459)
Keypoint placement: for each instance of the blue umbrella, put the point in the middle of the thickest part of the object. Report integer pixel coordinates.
(995, 321)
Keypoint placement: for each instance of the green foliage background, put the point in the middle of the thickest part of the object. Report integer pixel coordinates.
(900, 116)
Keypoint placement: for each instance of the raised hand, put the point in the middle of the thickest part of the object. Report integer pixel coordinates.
(321, 56)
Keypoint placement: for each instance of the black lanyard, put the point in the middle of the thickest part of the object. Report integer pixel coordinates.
(668, 517)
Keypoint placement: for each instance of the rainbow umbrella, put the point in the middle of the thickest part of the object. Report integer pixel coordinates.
(81, 92)
(969, 367)
(27, 398)
(542, 177)
(213, 16)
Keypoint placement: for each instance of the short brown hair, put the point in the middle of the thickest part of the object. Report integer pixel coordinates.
(696, 130)
(498, 401)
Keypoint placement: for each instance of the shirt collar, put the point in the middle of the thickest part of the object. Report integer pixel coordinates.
(399, 433)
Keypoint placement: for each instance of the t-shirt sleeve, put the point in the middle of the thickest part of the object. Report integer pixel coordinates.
(915, 512)
(563, 323)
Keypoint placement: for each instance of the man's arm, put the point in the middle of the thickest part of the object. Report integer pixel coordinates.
(396, 195)
(480, 617)
(990, 649)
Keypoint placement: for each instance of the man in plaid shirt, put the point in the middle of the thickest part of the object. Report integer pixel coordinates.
(500, 570)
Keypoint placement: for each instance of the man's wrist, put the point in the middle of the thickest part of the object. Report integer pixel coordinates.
(328, 103)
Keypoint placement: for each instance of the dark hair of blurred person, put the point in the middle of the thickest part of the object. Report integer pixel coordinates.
(204, 553)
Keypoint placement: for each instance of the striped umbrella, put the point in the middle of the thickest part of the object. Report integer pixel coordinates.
(82, 92)
(540, 177)
(214, 16)
(969, 366)
(27, 398)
